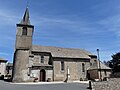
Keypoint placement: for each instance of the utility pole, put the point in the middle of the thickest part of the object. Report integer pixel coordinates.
(100, 75)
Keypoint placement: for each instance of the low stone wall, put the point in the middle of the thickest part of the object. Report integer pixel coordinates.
(111, 84)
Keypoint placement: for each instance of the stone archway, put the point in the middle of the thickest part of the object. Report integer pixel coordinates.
(42, 75)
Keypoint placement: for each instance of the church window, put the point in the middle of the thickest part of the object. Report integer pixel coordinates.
(83, 67)
(42, 59)
(24, 32)
(105, 72)
(62, 66)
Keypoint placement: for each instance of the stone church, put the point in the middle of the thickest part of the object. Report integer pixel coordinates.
(46, 63)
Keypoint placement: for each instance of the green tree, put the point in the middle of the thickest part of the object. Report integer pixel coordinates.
(108, 63)
(115, 62)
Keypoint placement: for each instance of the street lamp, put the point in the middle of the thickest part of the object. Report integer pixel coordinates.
(99, 64)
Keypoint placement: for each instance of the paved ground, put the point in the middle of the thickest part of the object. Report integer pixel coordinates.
(57, 86)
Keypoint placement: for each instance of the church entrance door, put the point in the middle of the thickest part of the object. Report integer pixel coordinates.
(42, 75)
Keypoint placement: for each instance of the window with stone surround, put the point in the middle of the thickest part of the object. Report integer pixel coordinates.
(62, 66)
(83, 67)
(42, 59)
(24, 31)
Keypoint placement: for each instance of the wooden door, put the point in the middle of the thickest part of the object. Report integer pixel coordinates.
(42, 75)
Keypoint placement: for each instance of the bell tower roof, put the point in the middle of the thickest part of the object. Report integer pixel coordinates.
(26, 18)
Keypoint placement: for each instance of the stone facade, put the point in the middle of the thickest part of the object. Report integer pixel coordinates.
(75, 69)
(3, 63)
(20, 70)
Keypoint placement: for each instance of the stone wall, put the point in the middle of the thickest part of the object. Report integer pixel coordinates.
(24, 41)
(20, 67)
(75, 69)
(111, 84)
(2, 68)
(37, 58)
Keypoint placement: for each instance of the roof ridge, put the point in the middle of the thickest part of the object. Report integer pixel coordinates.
(60, 47)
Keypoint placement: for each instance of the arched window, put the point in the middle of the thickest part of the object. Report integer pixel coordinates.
(83, 67)
(62, 66)
(24, 32)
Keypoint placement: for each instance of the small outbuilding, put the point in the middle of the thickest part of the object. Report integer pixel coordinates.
(98, 71)
(3, 63)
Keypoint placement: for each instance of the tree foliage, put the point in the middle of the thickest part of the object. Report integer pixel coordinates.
(115, 62)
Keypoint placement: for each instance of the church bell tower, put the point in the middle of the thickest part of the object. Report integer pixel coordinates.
(24, 32)
(22, 49)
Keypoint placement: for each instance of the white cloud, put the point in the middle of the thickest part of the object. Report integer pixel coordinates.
(8, 17)
(75, 26)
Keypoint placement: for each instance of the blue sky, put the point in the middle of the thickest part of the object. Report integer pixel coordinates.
(86, 24)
